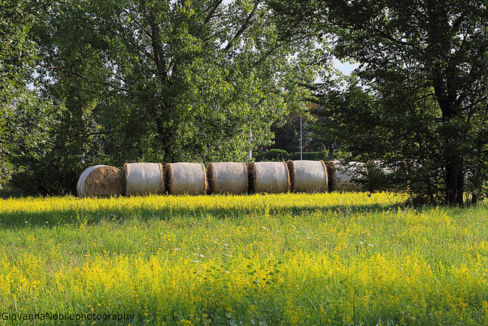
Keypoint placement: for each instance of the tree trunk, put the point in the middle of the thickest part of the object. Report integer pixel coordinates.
(454, 179)
(453, 160)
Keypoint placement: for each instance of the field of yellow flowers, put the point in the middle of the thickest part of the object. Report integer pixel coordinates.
(300, 259)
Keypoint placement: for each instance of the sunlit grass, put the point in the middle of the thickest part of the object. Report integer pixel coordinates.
(194, 203)
(276, 259)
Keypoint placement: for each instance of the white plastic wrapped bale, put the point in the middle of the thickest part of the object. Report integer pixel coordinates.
(307, 176)
(143, 178)
(347, 174)
(100, 180)
(186, 178)
(227, 178)
(268, 177)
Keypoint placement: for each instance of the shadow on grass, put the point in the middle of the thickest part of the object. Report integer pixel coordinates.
(76, 217)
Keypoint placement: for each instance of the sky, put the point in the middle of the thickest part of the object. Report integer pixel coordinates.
(346, 68)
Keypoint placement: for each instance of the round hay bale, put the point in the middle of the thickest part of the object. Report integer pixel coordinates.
(349, 172)
(349, 175)
(186, 178)
(332, 176)
(143, 178)
(268, 177)
(227, 178)
(100, 180)
(308, 176)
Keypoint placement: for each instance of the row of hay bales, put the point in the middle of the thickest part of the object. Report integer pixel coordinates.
(194, 179)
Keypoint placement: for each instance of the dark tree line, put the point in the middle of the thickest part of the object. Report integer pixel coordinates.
(419, 98)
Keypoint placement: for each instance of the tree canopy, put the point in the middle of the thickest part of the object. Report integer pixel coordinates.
(425, 65)
(162, 81)
(175, 80)
(26, 118)
(93, 82)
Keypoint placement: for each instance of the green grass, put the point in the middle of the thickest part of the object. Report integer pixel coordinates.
(377, 262)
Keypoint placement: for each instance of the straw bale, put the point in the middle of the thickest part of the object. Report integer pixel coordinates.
(144, 178)
(308, 176)
(100, 180)
(268, 177)
(227, 178)
(186, 178)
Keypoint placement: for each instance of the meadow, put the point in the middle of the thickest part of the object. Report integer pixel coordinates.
(356, 258)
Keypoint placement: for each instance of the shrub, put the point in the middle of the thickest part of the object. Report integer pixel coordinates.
(274, 155)
(313, 156)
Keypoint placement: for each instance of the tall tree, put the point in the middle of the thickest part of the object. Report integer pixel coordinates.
(26, 119)
(427, 63)
(173, 80)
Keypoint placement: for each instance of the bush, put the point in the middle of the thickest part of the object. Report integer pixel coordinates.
(313, 156)
(279, 155)
(274, 155)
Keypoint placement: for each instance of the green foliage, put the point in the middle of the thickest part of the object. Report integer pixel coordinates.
(162, 81)
(16, 54)
(28, 139)
(314, 156)
(274, 155)
(189, 80)
(424, 69)
(280, 155)
(321, 136)
(27, 120)
(287, 134)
